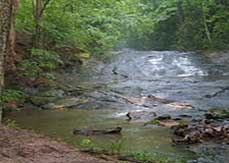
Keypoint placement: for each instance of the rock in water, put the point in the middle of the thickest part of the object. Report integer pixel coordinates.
(141, 115)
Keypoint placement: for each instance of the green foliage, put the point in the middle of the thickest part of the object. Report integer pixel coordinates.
(149, 157)
(116, 146)
(40, 60)
(49, 76)
(141, 156)
(46, 59)
(10, 95)
(11, 124)
(97, 26)
(87, 144)
(153, 122)
(186, 25)
(30, 69)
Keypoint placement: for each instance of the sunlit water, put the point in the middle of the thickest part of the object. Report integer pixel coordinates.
(184, 77)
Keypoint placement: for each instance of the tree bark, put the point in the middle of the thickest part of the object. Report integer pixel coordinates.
(37, 17)
(5, 21)
(9, 64)
(39, 7)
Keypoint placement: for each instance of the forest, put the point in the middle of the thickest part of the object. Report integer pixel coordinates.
(120, 81)
(142, 24)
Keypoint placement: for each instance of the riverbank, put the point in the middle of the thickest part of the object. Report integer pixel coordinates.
(21, 146)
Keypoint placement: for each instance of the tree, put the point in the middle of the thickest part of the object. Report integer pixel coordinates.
(5, 23)
(9, 64)
(39, 7)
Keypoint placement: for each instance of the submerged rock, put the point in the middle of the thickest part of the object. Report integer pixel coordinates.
(87, 132)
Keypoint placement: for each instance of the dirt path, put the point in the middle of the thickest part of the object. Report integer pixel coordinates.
(20, 146)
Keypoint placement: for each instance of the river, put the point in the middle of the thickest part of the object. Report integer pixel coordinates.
(183, 77)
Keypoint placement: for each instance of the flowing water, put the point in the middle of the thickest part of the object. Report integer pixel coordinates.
(185, 77)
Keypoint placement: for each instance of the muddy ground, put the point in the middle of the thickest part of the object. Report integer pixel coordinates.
(21, 146)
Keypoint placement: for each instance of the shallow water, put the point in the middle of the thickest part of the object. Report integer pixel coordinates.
(183, 77)
(135, 137)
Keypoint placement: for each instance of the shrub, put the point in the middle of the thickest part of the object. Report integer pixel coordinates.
(9, 95)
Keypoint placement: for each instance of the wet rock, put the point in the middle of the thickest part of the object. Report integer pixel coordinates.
(192, 161)
(51, 93)
(50, 106)
(197, 120)
(171, 103)
(45, 97)
(217, 113)
(165, 121)
(168, 123)
(141, 115)
(164, 117)
(177, 119)
(63, 103)
(39, 101)
(197, 133)
(66, 87)
(185, 116)
(208, 121)
(178, 105)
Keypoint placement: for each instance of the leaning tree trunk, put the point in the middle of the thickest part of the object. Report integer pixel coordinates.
(5, 15)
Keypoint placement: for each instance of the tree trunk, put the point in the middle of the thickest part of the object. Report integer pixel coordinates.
(38, 9)
(207, 32)
(9, 64)
(5, 21)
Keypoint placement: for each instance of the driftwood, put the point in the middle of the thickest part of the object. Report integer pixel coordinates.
(87, 132)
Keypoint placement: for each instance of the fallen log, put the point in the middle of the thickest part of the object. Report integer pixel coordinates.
(88, 132)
